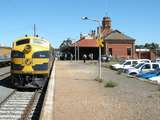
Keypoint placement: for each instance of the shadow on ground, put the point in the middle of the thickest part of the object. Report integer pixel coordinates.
(6, 82)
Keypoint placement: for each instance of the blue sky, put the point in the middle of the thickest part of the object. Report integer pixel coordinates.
(57, 20)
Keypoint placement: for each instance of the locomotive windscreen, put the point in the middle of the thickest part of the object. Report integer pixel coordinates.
(24, 41)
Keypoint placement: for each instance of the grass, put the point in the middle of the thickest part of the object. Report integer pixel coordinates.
(111, 84)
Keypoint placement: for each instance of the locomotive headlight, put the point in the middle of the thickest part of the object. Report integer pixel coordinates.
(27, 48)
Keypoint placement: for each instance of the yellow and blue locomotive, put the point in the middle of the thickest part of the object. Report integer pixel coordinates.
(31, 62)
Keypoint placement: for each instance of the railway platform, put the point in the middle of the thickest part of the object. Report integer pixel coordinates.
(74, 94)
(77, 95)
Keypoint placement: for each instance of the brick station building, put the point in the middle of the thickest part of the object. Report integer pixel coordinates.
(119, 45)
(116, 43)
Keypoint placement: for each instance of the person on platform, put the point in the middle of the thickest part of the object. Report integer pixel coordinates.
(84, 58)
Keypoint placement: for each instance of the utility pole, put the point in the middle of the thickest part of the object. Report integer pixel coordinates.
(100, 39)
(34, 30)
(78, 50)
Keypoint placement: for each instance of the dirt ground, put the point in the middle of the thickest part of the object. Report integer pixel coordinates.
(79, 97)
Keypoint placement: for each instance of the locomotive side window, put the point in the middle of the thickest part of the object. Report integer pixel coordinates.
(17, 54)
(21, 42)
(41, 54)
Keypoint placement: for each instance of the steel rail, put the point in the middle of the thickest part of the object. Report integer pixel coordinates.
(28, 109)
(19, 105)
(7, 98)
(1, 74)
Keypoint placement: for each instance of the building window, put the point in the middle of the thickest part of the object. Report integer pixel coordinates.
(110, 51)
(129, 51)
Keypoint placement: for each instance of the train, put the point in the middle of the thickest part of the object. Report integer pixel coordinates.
(32, 58)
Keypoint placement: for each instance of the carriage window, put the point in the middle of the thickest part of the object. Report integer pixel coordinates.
(21, 42)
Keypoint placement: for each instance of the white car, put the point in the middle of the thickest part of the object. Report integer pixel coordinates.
(128, 63)
(125, 69)
(143, 67)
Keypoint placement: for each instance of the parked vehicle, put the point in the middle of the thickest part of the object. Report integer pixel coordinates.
(144, 67)
(105, 58)
(133, 66)
(129, 63)
(150, 74)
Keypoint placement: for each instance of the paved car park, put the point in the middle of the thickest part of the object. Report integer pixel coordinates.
(78, 96)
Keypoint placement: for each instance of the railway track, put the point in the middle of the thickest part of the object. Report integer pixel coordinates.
(19, 105)
(4, 72)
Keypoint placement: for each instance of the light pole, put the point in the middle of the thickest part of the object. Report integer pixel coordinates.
(100, 68)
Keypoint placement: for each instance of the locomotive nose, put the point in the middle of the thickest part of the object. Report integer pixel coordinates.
(28, 61)
(27, 48)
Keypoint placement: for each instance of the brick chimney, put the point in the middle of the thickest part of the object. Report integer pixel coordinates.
(93, 33)
(106, 23)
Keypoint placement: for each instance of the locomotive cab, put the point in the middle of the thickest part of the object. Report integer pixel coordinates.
(31, 61)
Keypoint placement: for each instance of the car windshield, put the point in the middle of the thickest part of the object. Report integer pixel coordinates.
(139, 65)
(134, 65)
(122, 62)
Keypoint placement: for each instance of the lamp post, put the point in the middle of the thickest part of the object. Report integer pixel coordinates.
(78, 50)
(100, 68)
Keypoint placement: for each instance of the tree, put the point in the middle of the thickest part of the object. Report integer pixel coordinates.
(139, 46)
(153, 46)
(65, 44)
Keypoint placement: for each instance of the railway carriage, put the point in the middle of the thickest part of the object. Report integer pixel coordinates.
(31, 61)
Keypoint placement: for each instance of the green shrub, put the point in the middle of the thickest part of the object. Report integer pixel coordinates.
(110, 83)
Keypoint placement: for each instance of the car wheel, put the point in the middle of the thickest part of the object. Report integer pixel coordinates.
(133, 74)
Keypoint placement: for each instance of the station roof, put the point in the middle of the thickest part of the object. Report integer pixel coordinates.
(109, 35)
(85, 43)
